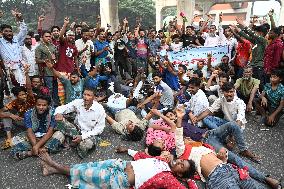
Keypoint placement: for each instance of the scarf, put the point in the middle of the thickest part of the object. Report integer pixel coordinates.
(35, 120)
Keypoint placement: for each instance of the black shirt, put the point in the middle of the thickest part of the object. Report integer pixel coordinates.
(188, 40)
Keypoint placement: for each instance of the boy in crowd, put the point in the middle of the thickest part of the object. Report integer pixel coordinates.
(271, 102)
(14, 111)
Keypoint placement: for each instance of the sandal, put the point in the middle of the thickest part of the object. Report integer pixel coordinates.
(251, 156)
(6, 144)
(22, 155)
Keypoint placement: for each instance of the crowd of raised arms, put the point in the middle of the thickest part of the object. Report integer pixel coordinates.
(61, 87)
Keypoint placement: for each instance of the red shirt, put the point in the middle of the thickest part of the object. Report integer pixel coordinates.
(272, 55)
(67, 53)
(243, 53)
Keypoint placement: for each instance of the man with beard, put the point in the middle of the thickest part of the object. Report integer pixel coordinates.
(73, 87)
(211, 38)
(55, 31)
(256, 37)
(273, 52)
(14, 111)
(85, 49)
(40, 135)
(247, 87)
(67, 61)
(46, 50)
(167, 96)
(89, 121)
(10, 49)
(28, 53)
(188, 38)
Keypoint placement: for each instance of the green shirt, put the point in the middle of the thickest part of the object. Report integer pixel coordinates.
(258, 48)
(72, 92)
(245, 86)
(43, 52)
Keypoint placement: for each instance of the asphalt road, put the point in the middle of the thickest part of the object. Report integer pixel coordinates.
(26, 174)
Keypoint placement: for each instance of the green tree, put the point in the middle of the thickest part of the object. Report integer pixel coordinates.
(131, 9)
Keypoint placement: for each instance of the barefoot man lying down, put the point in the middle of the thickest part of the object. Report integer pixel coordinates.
(216, 173)
(119, 174)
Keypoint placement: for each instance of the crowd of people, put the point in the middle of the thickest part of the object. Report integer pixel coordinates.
(61, 87)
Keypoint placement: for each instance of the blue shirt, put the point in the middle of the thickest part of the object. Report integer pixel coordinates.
(274, 97)
(42, 120)
(93, 82)
(100, 46)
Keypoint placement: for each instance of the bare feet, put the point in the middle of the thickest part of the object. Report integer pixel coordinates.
(248, 154)
(47, 169)
(273, 183)
(47, 159)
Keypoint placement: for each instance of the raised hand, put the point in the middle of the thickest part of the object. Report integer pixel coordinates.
(271, 12)
(220, 17)
(41, 18)
(240, 21)
(66, 21)
(17, 14)
(125, 21)
(1, 13)
(180, 111)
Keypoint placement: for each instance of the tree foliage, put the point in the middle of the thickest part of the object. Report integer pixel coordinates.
(82, 10)
(133, 8)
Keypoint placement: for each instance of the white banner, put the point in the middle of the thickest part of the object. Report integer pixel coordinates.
(191, 56)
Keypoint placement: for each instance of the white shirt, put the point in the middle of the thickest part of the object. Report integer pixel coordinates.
(86, 55)
(195, 154)
(176, 47)
(233, 111)
(232, 43)
(29, 58)
(198, 104)
(144, 169)
(211, 41)
(167, 98)
(91, 121)
(117, 101)
(215, 88)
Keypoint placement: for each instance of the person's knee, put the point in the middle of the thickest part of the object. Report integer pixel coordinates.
(59, 136)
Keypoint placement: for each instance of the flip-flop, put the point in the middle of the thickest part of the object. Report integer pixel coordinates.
(6, 144)
(22, 155)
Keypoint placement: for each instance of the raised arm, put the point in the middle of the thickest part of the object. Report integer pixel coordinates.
(28, 81)
(39, 24)
(64, 28)
(50, 66)
(23, 27)
(180, 147)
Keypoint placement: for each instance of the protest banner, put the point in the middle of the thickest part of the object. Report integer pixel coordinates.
(190, 56)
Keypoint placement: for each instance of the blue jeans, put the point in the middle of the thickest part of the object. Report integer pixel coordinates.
(213, 122)
(52, 87)
(226, 177)
(217, 137)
